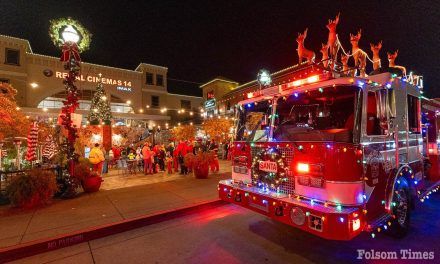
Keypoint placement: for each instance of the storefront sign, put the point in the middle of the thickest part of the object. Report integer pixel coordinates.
(94, 79)
(210, 95)
(268, 166)
(123, 88)
(210, 103)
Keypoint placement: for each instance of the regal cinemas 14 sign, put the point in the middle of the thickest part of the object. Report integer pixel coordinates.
(268, 166)
(92, 79)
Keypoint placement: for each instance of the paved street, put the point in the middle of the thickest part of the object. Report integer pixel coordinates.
(230, 234)
(121, 197)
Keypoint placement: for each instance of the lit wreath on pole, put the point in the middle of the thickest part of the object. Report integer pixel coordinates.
(59, 26)
(269, 168)
(72, 38)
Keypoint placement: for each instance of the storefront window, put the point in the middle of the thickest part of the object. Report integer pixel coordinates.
(52, 102)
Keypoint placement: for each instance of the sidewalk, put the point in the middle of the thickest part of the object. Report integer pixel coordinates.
(138, 196)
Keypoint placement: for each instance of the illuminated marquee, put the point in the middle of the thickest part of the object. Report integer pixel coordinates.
(210, 103)
(93, 79)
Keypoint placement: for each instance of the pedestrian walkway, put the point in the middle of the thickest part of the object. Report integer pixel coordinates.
(111, 204)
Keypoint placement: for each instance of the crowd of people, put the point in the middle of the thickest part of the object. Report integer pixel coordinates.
(154, 158)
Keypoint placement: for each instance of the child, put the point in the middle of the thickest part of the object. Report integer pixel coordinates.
(169, 161)
(132, 162)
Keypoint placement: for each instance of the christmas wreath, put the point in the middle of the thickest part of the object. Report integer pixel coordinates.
(58, 25)
(264, 176)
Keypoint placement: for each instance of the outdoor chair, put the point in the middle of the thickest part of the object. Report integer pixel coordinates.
(122, 166)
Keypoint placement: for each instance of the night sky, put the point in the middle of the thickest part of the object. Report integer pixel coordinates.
(199, 40)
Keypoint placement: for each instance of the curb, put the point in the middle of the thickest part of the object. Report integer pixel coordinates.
(85, 235)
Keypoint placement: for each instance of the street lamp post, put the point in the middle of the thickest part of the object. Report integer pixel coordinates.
(73, 38)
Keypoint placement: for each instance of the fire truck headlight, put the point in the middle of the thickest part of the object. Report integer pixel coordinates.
(313, 79)
(297, 216)
(303, 167)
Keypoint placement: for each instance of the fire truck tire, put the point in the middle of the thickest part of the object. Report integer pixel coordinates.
(401, 210)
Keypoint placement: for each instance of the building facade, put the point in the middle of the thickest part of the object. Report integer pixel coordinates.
(138, 96)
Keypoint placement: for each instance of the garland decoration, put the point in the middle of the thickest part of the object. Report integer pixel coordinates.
(269, 169)
(58, 25)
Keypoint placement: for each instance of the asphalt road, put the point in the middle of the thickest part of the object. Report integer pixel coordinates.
(230, 234)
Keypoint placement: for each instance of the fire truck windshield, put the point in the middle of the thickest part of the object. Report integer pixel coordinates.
(253, 121)
(326, 114)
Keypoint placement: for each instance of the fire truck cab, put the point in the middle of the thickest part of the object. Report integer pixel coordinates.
(333, 155)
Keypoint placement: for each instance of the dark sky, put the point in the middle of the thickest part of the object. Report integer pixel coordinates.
(198, 40)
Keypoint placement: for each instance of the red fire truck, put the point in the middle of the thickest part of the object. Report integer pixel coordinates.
(335, 155)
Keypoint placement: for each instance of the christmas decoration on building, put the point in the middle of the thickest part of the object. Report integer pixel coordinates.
(32, 142)
(49, 147)
(100, 111)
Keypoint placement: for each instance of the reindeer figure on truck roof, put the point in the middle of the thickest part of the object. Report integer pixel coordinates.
(359, 56)
(332, 42)
(302, 51)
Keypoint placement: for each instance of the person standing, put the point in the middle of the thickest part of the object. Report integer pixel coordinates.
(176, 160)
(182, 150)
(162, 157)
(215, 166)
(169, 161)
(226, 150)
(96, 157)
(106, 160)
(147, 156)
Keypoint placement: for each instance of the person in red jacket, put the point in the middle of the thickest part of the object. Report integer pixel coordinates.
(147, 155)
(169, 161)
(176, 160)
(215, 166)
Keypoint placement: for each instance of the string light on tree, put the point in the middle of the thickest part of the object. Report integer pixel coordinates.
(101, 112)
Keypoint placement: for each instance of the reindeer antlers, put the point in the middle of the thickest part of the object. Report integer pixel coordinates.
(336, 21)
(357, 36)
(377, 46)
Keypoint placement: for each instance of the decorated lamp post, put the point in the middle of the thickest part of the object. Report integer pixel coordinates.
(72, 38)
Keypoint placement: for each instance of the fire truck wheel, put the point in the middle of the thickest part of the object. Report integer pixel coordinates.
(401, 204)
